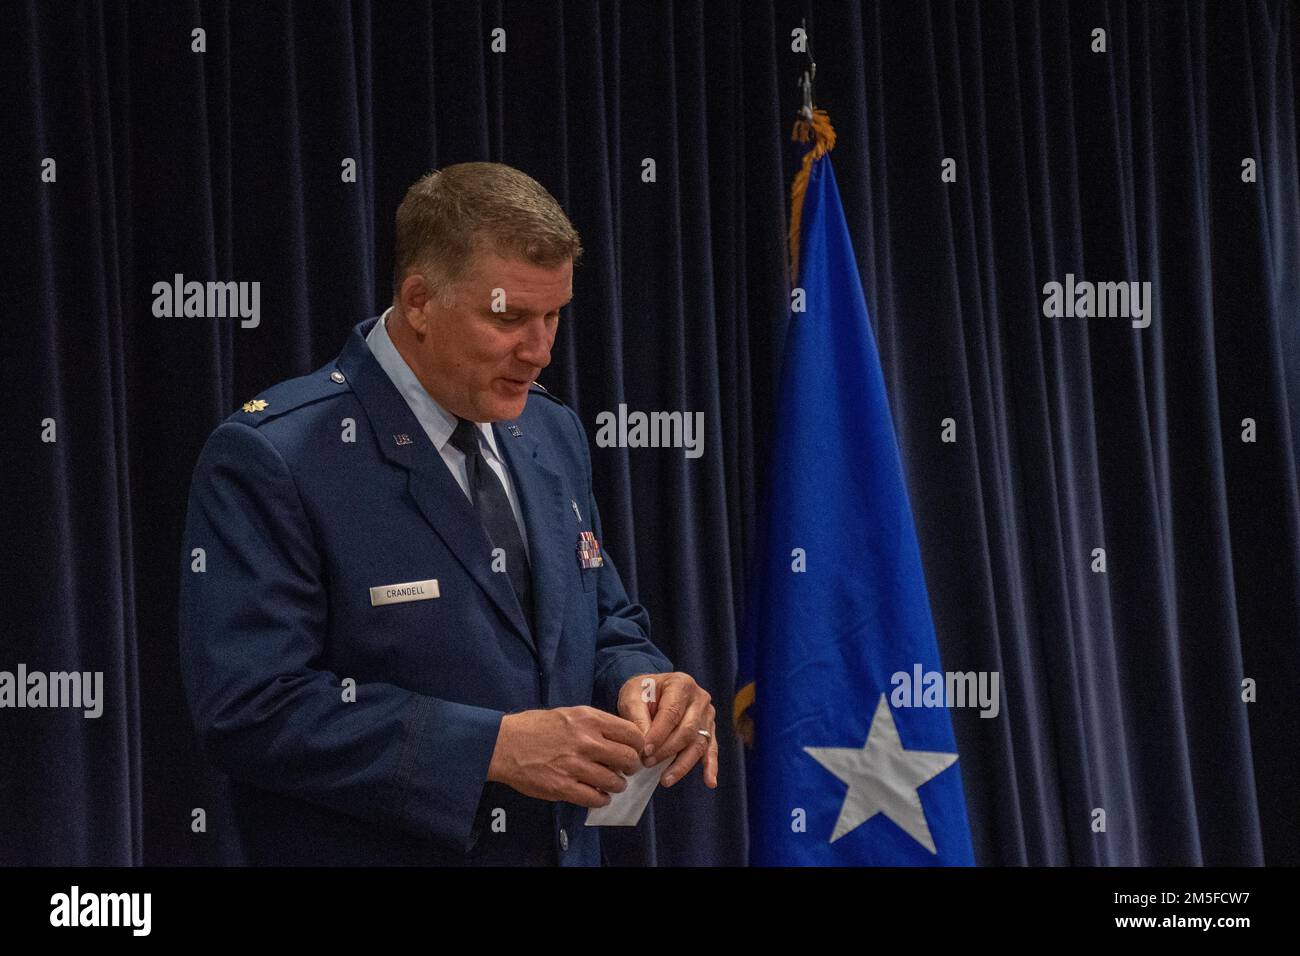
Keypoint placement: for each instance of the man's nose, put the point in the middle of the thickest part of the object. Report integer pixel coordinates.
(535, 349)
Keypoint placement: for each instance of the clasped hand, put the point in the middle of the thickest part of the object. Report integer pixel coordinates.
(580, 754)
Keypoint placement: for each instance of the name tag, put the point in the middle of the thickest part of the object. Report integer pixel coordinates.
(410, 591)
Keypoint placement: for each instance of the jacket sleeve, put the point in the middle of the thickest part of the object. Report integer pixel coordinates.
(623, 646)
(253, 620)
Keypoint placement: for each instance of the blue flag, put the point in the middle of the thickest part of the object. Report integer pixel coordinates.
(847, 766)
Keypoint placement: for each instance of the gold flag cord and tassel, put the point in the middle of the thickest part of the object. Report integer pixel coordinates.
(820, 131)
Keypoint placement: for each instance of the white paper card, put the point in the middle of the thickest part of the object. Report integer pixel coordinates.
(625, 809)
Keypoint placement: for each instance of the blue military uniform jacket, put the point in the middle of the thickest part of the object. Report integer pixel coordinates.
(296, 525)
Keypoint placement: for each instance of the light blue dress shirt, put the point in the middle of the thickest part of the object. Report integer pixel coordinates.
(438, 423)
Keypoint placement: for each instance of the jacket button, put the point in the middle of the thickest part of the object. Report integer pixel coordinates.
(564, 839)
(337, 377)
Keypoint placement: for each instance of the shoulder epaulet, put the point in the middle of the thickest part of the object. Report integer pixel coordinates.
(294, 393)
(539, 389)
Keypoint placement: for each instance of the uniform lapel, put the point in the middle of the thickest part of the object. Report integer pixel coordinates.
(437, 494)
(552, 533)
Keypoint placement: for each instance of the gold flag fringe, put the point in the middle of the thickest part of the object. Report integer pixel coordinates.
(823, 136)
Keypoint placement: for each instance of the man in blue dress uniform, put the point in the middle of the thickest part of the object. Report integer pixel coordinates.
(400, 636)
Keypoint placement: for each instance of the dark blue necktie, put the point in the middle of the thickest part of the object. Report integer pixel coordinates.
(495, 513)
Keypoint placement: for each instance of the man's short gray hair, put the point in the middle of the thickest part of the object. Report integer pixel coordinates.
(452, 214)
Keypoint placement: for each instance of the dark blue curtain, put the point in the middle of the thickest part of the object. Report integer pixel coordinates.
(1122, 689)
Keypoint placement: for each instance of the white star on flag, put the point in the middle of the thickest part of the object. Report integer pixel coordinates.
(883, 778)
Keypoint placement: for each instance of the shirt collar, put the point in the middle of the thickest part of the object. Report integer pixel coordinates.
(438, 423)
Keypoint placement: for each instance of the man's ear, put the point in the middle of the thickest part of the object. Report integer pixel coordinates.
(413, 302)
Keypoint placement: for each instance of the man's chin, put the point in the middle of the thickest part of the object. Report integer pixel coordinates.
(508, 408)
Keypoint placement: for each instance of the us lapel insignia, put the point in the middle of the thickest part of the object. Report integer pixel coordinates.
(516, 430)
(256, 405)
(589, 555)
(402, 439)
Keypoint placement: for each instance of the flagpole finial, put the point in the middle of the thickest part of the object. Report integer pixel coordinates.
(806, 84)
(805, 81)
